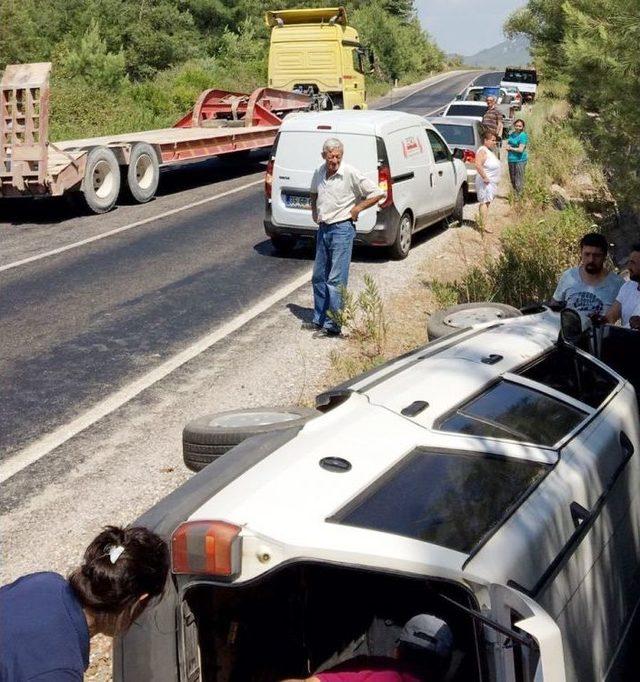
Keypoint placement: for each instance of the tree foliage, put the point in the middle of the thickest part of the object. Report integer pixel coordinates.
(150, 58)
(591, 46)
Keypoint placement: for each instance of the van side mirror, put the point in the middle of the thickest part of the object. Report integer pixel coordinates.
(458, 153)
(572, 326)
(372, 60)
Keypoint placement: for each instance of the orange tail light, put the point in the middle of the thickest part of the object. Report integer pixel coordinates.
(207, 548)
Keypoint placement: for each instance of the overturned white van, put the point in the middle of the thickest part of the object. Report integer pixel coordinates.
(404, 154)
(490, 478)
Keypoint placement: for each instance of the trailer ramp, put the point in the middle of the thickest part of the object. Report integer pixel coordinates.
(24, 120)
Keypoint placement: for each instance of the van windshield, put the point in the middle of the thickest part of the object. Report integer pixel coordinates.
(451, 499)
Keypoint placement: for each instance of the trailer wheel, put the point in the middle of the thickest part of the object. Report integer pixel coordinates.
(143, 172)
(101, 183)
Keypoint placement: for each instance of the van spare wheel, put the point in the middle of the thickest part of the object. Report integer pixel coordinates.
(445, 322)
(206, 438)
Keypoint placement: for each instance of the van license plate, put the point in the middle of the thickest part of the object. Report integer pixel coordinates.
(297, 201)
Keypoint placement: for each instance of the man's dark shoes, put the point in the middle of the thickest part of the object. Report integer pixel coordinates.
(328, 333)
(310, 326)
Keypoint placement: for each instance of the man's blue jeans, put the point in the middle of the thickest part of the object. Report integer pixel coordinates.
(331, 270)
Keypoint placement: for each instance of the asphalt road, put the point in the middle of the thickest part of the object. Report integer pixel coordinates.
(82, 323)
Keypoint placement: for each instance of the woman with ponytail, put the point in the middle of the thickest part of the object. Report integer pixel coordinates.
(46, 622)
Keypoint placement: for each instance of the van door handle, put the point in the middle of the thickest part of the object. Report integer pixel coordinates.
(431, 179)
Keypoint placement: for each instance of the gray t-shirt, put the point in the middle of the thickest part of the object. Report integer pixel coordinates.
(587, 298)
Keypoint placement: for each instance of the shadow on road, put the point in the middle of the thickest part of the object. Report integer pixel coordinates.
(173, 179)
(305, 247)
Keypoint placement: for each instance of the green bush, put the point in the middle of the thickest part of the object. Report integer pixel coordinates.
(534, 252)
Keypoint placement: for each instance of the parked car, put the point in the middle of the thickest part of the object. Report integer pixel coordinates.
(401, 152)
(466, 109)
(514, 95)
(463, 134)
(490, 478)
(526, 80)
(479, 93)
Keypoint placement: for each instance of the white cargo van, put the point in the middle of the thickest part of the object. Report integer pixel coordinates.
(401, 152)
(490, 478)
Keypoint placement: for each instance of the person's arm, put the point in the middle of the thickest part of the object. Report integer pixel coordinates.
(613, 314)
(59, 675)
(314, 196)
(522, 146)
(363, 205)
(368, 189)
(481, 157)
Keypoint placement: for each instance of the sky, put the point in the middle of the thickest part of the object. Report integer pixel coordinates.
(465, 26)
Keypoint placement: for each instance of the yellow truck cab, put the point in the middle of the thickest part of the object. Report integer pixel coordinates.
(314, 52)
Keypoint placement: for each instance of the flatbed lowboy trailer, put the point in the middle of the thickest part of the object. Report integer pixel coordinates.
(221, 122)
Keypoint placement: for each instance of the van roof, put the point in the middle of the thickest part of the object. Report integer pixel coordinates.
(351, 121)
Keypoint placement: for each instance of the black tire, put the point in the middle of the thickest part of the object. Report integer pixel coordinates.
(447, 321)
(401, 246)
(143, 172)
(101, 182)
(458, 210)
(206, 438)
(283, 243)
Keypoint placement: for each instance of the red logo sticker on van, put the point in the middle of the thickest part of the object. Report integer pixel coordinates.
(411, 146)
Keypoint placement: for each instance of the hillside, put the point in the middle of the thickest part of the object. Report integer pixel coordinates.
(508, 53)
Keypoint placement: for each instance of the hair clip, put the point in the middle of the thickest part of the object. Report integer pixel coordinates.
(115, 552)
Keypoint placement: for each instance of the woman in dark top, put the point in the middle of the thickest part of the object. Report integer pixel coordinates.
(46, 622)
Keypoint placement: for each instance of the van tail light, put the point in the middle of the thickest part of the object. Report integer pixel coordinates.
(268, 179)
(468, 156)
(207, 548)
(386, 185)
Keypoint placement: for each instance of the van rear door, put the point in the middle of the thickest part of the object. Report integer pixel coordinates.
(539, 656)
(298, 155)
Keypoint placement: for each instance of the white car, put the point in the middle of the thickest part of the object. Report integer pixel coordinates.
(402, 153)
(490, 478)
(464, 134)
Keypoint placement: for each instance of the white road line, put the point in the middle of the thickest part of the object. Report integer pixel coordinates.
(124, 228)
(424, 87)
(45, 445)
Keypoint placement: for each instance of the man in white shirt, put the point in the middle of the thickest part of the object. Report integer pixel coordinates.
(589, 288)
(339, 193)
(627, 305)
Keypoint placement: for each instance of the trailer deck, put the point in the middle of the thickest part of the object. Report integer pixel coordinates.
(220, 122)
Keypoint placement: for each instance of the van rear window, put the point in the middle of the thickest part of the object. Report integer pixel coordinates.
(451, 499)
(465, 110)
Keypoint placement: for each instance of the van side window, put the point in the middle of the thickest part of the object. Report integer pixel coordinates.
(439, 147)
(514, 412)
(572, 374)
(448, 498)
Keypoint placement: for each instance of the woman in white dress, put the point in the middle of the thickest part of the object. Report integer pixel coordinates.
(488, 175)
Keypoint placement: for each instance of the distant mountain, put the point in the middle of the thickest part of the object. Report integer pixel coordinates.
(508, 53)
